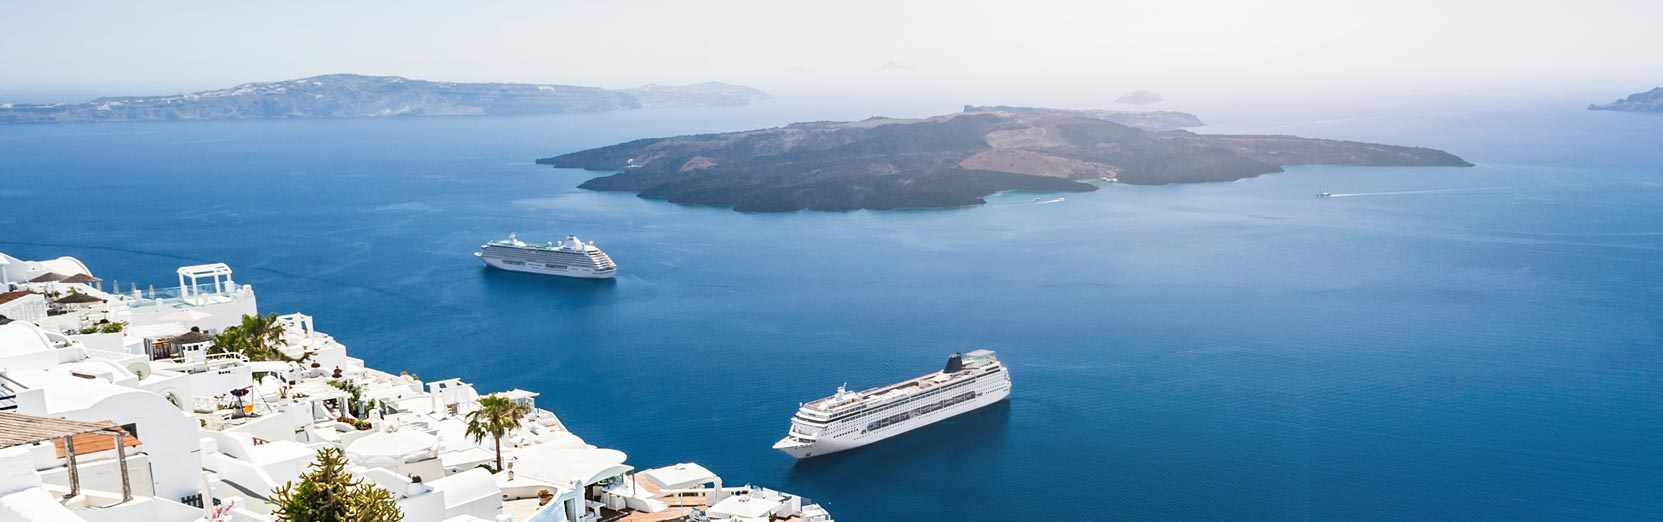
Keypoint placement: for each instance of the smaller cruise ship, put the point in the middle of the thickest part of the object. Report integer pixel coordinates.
(850, 420)
(569, 258)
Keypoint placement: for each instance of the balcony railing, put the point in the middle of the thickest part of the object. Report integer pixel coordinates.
(171, 295)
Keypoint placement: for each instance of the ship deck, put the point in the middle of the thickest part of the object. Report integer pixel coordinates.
(917, 384)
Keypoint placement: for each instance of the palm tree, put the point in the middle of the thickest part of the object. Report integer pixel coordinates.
(264, 335)
(496, 417)
(229, 340)
(258, 337)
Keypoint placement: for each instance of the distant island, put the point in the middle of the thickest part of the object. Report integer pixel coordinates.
(955, 159)
(358, 96)
(1139, 98)
(1649, 101)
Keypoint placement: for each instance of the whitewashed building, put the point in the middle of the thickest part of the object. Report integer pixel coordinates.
(22, 305)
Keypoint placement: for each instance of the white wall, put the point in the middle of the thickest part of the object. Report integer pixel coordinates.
(220, 315)
(428, 507)
(250, 476)
(219, 381)
(102, 472)
(27, 308)
(278, 425)
(29, 361)
(17, 470)
(168, 436)
(62, 323)
(110, 342)
(165, 384)
(480, 485)
(143, 509)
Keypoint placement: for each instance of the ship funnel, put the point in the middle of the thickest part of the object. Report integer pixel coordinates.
(955, 363)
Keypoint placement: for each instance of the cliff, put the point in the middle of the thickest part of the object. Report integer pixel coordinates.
(1649, 101)
(356, 96)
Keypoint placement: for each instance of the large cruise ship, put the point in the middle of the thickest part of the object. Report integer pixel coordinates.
(854, 419)
(570, 258)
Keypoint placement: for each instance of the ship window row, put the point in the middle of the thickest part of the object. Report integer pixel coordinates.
(540, 251)
(532, 254)
(857, 414)
(919, 411)
(909, 400)
(584, 262)
(932, 408)
(888, 421)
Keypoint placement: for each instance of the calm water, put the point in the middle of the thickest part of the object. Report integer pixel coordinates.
(1445, 344)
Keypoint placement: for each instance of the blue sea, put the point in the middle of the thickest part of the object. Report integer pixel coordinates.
(1432, 343)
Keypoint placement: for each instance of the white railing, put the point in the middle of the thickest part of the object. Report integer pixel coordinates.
(158, 296)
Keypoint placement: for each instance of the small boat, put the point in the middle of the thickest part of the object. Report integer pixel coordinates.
(1325, 194)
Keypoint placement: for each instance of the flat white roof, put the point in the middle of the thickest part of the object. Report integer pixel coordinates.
(465, 487)
(316, 390)
(65, 392)
(397, 444)
(207, 269)
(683, 475)
(517, 393)
(156, 330)
(744, 506)
(270, 366)
(466, 457)
(415, 404)
(279, 451)
(21, 337)
(564, 466)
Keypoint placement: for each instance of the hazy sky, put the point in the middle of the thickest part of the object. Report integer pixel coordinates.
(128, 46)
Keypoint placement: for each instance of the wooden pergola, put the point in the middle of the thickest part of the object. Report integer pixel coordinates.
(17, 429)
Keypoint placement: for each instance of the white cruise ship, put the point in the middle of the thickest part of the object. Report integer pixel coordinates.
(854, 419)
(570, 258)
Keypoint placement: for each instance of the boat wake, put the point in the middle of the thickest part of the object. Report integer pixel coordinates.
(1050, 201)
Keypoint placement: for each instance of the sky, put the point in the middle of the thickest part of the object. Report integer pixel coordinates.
(1295, 46)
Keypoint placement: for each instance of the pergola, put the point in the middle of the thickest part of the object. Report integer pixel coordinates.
(17, 429)
(220, 273)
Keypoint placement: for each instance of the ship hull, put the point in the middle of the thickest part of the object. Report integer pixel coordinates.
(829, 445)
(546, 269)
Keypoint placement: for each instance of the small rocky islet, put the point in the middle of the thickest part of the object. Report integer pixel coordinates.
(956, 159)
